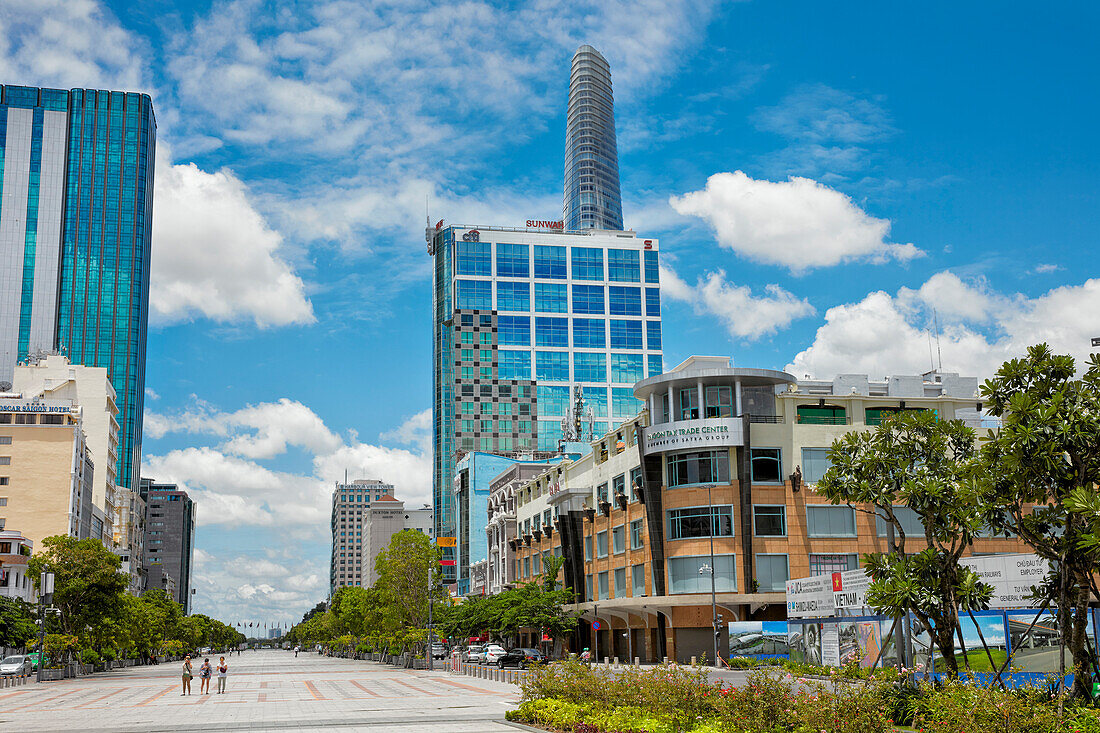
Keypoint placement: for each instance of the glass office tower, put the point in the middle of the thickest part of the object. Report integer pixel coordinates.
(522, 318)
(592, 196)
(76, 198)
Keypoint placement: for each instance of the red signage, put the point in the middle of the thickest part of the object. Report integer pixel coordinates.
(447, 563)
(649, 244)
(537, 224)
(838, 583)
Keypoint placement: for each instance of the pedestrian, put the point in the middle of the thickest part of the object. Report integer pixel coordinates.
(186, 676)
(296, 651)
(223, 670)
(204, 677)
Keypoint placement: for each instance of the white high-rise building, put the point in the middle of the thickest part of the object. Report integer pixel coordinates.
(350, 503)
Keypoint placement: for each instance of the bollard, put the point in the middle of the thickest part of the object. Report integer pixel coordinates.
(666, 661)
(693, 661)
(637, 661)
(606, 661)
(616, 661)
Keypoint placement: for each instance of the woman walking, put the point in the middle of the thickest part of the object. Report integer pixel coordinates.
(223, 669)
(186, 676)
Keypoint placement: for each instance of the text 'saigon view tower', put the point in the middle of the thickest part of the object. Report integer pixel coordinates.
(76, 200)
(592, 196)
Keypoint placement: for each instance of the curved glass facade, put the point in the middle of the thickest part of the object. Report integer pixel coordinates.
(592, 196)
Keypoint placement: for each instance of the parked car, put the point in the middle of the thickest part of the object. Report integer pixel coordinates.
(493, 652)
(439, 651)
(16, 664)
(475, 654)
(521, 657)
(33, 656)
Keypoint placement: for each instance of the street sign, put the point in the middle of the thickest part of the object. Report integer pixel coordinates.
(596, 625)
(447, 563)
(445, 541)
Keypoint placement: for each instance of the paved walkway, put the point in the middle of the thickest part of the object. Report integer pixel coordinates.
(266, 691)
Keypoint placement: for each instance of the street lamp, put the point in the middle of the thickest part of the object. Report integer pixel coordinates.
(45, 595)
(710, 568)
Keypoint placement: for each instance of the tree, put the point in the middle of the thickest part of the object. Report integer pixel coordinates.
(1044, 465)
(17, 626)
(408, 571)
(87, 582)
(551, 567)
(929, 466)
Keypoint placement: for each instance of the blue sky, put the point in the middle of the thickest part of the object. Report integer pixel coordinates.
(821, 177)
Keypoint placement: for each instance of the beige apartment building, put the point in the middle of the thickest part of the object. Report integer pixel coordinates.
(52, 377)
(46, 470)
(715, 480)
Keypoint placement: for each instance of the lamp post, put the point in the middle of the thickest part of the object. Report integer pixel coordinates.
(45, 595)
(713, 599)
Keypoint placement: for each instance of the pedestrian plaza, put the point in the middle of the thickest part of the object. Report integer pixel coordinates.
(268, 690)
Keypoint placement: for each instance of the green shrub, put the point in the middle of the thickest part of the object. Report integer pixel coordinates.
(950, 707)
(90, 656)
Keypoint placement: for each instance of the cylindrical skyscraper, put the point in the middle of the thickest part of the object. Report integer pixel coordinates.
(592, 197)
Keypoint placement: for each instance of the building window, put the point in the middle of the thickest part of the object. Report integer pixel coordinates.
(588, 547)
(654, 365)
(5, 460)
(822, 564)
(911, 523)
(653, 335)
(553, 400)
(587, 263)
(618, 484)
(601, 544)
(620, 582)
(637, 581)
(590, 367)
(688, 575)
(5, 440)
(588, 300)
(512, 260)
(626, 334)
(5, 480)
(624, 301)
(652, 269)
(618, 539)
(623, 402)
(653, 302)
(700, 521)
(550, 262)
(635, 482)
(589, 333)
(513, 296)
(552, 332)
(475, 294)
(604, 592)
(475, 258)
(551, 298)
(588, 588)
(513, 331)
(766, 466)
(815, 462)
(637, 540)
(769, 520)
(772, 572)
(595, 397)
(626, 368)
(514, 364)
(623, 266)
(703, 467)
(830, 521)
(719, 401)
(552, 366)
(689, 403)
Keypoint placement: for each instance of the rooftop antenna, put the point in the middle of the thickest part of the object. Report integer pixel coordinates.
(931, 359)
(936, 322)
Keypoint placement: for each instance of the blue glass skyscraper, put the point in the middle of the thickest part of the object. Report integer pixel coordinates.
(76, 197)
(592, 196)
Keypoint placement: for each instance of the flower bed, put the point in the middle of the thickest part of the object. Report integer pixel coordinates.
(573, 697)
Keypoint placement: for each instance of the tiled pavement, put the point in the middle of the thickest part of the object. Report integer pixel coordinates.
(266, 691)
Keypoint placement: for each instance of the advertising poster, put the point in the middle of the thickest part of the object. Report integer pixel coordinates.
(795, 647)
(1011, 576)
(1038, 651)
(758, 639)
(860, 640)
(810, 597)
(811, 643)
(830, 645)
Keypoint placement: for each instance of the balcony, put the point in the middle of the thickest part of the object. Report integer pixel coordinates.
(772, 419)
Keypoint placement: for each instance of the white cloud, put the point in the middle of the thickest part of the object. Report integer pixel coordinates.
(745, 316)
(244, 587)
(231, 484)
(1046, 268)
(214, 254)
(66, 44)
(799, 224)
(884, 334)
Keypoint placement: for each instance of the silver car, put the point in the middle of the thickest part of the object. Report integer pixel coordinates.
(16, 664)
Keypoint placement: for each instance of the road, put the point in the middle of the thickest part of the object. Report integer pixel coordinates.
(265, 691)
